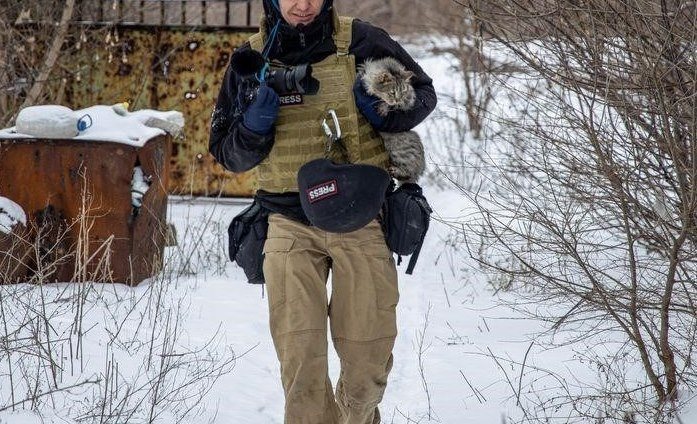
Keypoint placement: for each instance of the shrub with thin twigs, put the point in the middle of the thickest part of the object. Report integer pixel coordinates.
(593, 215)
(110, 353)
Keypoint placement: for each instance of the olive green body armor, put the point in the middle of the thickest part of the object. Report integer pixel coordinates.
(300, 137)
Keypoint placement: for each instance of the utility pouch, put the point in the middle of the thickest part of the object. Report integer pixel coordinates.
(246, 237)
(406, 218)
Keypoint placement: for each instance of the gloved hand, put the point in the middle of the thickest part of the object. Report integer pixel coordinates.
(367, 104)
(262, 113)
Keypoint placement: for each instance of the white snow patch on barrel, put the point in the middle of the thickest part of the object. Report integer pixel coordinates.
(10, 215)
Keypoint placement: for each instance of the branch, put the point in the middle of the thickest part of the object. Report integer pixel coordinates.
(51, 56)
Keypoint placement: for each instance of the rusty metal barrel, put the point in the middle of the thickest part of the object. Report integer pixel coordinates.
(82, 224)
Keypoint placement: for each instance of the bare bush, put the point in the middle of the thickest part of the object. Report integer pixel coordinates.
(594, 216)
(30, 55)
(110, 353)
(202, 246)
(144, 372)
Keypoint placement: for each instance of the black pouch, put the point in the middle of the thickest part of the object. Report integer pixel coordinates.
(246, 237)
(406, 218)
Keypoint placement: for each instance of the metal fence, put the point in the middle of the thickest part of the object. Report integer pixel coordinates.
(202, 13)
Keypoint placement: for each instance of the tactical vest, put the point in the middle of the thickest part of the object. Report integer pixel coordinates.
(299, 134)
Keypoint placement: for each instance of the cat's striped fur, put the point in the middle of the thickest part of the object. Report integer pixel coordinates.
(390, 81)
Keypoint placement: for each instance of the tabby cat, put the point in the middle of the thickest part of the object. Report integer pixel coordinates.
(390, 81)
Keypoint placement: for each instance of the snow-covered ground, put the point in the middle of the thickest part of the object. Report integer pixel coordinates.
(461, 356)
(449, 328)
(454, 355)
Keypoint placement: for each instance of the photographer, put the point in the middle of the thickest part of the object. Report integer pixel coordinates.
(276, 133)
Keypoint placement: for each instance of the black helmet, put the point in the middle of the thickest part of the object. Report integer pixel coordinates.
(340, 198)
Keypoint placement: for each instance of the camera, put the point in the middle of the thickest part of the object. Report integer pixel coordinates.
(250, 64)
(295, 79)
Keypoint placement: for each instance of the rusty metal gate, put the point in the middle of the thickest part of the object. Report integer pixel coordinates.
(166, 68)
(163, 54)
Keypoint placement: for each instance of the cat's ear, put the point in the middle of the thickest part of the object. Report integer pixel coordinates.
(408, 75)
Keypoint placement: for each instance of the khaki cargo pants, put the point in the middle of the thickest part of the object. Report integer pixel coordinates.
(361, 313)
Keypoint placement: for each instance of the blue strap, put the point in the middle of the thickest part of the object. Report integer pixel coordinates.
(270, 40)
(261, 76)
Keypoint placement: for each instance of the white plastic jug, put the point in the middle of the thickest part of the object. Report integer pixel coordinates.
(47, 121)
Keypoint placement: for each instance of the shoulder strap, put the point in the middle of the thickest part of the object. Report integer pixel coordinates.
(426, 208)
(415, 256)
(256, 41)
(412, 260)
(342, 36)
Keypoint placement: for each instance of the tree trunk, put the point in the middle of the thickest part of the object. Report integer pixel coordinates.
(52, 55)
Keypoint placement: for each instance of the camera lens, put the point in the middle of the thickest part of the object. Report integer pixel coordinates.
(297, 79)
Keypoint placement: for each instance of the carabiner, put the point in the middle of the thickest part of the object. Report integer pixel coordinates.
(332, 136)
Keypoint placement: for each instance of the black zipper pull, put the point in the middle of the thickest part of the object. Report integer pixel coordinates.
(302, 40)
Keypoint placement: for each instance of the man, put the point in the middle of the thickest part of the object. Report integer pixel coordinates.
(253, 128)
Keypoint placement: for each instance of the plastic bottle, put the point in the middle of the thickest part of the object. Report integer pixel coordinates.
(47, 121)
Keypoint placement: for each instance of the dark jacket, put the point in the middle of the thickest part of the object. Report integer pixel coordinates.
(239, 149)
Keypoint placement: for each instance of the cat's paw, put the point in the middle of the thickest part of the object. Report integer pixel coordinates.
(383, 109)
(398, 173)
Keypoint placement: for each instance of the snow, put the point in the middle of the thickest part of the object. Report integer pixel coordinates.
(139, 186)
(48, 121)
(469, 339)
(456, 339)
(109, 123)
(145, 116)
(462, 354)
(11, 214)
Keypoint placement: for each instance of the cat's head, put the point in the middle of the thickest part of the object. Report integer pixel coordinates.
(396, 89)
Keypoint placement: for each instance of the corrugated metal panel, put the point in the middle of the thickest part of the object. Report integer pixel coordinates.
(207, 13)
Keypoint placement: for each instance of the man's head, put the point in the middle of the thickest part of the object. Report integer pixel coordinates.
(298, 12)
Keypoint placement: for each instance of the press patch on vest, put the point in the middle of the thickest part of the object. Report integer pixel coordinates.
(291, 99)
(322, 191)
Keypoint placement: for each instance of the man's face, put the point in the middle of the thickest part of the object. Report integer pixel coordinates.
(297, 12)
